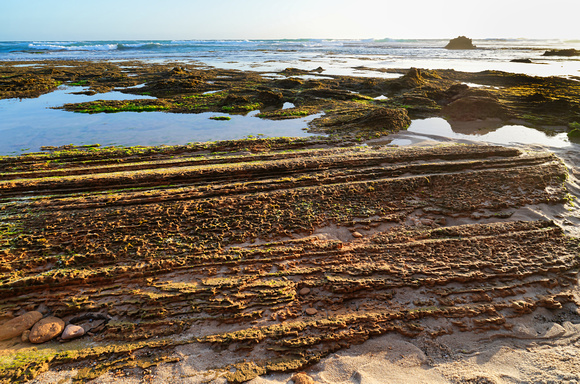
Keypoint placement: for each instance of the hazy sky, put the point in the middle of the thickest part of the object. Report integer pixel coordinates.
(272, 19)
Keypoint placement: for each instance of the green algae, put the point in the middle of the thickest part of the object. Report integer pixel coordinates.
(79, 83)
(127, 107)
(241, 107)
(286, 113)
(27, 363)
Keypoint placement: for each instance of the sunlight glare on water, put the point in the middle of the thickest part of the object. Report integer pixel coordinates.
(506, 135)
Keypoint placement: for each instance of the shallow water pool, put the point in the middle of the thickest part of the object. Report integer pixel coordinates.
(439, 129)
(28, 124)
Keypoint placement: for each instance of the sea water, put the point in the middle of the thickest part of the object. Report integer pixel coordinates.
(339, 57)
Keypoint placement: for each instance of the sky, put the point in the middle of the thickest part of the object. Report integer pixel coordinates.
(54, 20)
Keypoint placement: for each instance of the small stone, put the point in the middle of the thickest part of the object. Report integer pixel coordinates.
(72, 332)
(25, 335)
(358, 235)
(311, 311)
(46, 329)
(304, 291)
(16, 326)
(302, 378)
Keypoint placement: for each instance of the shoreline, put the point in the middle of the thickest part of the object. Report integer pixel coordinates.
(338, 57)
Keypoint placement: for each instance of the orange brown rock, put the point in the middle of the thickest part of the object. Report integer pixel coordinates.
(311, 311)
(302, 378)
(18, 325)
(304, 291)
(46, 329)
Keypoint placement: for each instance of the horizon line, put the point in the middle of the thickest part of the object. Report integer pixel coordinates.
(300, 38)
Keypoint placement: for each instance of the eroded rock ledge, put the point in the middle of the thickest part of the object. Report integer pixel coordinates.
(291, 254)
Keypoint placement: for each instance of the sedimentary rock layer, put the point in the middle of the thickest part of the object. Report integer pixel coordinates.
(163, 247)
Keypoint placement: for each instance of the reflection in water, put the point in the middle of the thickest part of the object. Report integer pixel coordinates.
(424, 132)
(504, 135)
(31, 123)
(476, 127)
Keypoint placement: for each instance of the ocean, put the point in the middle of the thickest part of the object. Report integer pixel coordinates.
(337, 57)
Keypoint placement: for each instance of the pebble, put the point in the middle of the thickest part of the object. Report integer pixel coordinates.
(16, 326)
(46, 329)
(302, 378)
(311, 311)
(358, 235)
(304, 291)
(72, 332)
(24, 336)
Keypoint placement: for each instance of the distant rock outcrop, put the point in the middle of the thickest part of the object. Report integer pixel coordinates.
(527, 61)
(562, 52)
(460, 42)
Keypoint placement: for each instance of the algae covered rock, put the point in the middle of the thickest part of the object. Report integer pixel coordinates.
(574, 134)
(18, 325)
(414, 78)
(390, 119)
(46, 329)
(476, 107)
(326, 93)
(460, 42)
(269, 97)
(289, 83)
(378, 120)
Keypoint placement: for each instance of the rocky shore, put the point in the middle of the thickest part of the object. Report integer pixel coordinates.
(354, 108)
(272, 260)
